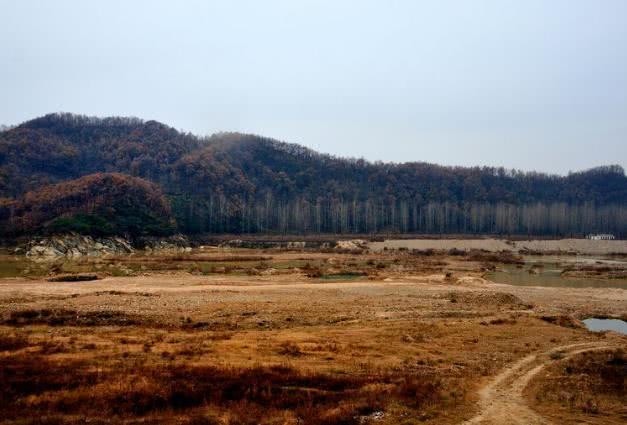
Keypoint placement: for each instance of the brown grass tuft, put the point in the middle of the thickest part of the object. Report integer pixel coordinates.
(62, 317)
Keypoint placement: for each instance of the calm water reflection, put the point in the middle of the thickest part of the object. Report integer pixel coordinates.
(547, 271)
(615, 325)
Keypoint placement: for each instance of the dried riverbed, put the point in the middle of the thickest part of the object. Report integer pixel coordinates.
(230, 336)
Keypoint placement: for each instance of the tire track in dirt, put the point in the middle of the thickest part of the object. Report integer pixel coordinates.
(502, 402)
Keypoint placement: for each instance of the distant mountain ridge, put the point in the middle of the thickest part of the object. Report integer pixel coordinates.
(231, 182)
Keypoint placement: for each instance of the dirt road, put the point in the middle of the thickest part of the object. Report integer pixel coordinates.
(502, 402)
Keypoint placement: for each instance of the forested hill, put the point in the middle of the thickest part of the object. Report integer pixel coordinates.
(243, 183)
(101, 204)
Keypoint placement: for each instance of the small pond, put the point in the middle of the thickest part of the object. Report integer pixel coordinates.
(547, 271)
(596, 325)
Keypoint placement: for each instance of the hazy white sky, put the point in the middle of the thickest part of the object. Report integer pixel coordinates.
(533, 84)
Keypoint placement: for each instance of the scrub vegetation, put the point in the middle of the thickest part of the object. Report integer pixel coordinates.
(293, 336)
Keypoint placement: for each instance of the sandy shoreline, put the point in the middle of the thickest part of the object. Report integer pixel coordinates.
(580, 246)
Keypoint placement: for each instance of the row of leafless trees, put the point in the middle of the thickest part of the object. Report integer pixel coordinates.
(219, 214)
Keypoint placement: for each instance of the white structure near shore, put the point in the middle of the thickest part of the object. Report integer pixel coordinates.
(601, 237)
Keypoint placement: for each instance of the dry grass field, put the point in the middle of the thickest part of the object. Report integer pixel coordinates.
(586, 386)
(235, 336)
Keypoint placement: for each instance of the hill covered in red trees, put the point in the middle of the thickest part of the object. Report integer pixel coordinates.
(98, 204)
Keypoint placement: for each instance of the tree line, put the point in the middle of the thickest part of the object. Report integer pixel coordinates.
(240, 183)
(301, 216)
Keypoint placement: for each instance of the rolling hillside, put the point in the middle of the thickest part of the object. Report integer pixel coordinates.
(237, 183)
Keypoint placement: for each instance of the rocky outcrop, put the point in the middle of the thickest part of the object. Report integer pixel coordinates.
(176, 243)
(353, 244)
(74, 245)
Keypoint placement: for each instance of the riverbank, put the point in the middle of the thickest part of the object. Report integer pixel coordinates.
(544, 246)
